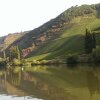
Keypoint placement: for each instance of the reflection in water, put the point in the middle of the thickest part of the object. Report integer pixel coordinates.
(50, 83)
(2, 81)
(93, 82)
(15, 76)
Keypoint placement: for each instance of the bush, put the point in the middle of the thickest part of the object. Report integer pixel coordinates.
(24, 62)
(96, 54)
(35, 62)
(72, 59)
(16, 62)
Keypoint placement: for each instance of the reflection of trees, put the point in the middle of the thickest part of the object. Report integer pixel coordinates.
(3, 80)
(93, 82)
(35, 84)
(28, 83)
(15, 76)
(38, 84)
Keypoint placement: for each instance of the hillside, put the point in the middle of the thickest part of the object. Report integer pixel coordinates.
(60, 36)
(7, 40)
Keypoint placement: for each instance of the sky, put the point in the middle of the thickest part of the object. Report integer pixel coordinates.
(23, 15)
(14, 97)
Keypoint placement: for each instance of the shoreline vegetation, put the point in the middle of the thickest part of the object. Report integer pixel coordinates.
(93, 58)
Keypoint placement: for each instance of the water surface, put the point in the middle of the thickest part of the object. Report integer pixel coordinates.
(50, 83)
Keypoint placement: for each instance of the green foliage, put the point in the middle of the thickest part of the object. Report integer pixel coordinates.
(76, 11)
(72, 59)
(23, 61)
(16, 62)
(46, 62)
(90, 41)
(4, 55)
(96, 54)
(14, 53)
(18, 52)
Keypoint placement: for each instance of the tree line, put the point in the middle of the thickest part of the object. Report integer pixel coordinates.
(14, 53)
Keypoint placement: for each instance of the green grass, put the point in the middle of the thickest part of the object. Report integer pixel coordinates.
(39, 57)
(70, 41)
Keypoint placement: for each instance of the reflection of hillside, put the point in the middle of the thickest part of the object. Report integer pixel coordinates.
(35, 82)
(51, 83)
(93, 82)
(40, 88)
(6, 87)
(13, 90)
(9, 87)
(26, 83)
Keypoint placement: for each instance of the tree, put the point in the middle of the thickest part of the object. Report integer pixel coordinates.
(18, 53)
(94, 40)
(14, 53)
(4, 55)
(72, 59)
(96, 54)
(90, 41)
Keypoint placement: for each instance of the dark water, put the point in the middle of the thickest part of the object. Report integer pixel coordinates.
(50, 83)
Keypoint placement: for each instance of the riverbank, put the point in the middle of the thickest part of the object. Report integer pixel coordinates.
(70, 59)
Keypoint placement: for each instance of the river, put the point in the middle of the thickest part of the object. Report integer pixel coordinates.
(61, 82)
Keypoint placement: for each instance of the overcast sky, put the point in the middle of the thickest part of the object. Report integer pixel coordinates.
(20, 15)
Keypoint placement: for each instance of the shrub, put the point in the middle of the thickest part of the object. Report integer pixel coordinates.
(72, 59)
(96, 54)
(23, 62)
(16, 62)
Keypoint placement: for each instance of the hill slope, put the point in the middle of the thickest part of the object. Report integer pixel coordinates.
(62, 35)
(5, 41)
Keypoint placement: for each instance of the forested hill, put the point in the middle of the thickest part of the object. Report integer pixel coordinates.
(61, 35)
